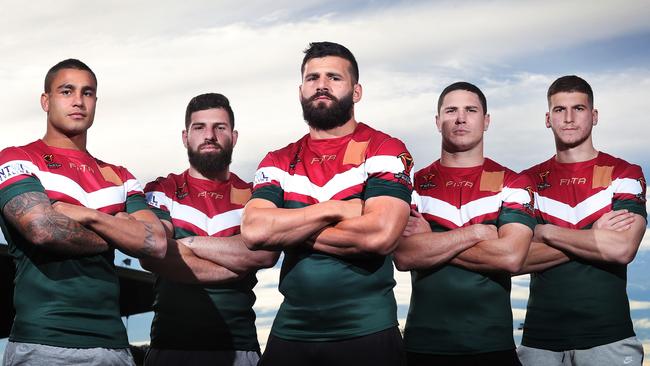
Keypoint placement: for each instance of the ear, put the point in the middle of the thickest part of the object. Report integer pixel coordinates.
(594, 117)
(357, 92)
(548, 120)
(235, 135)
(185, 138)
(300, 92)
(438, 123)
(45, 102)
(486, 122)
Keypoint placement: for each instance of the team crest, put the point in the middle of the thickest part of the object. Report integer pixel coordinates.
(294, 162)
(181, 192)
(49, 159)
(407, 161)
(544, 183)
(427, 181)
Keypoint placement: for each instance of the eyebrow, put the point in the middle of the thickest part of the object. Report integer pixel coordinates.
(72, 86)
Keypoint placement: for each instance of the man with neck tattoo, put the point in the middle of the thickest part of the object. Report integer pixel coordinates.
(63, 214)
(335, 202)
(204, 290)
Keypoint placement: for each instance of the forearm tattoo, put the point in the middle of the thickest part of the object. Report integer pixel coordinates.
(149, 239)
(32, 214)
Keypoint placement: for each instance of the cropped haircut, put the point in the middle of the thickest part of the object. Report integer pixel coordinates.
(463, 85)
(209, 101)
(324, 49)
(71, 63)
(570, 84)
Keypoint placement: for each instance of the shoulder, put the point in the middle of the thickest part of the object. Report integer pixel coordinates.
(168, 183)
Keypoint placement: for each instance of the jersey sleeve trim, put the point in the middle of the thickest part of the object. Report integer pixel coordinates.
(29, 184)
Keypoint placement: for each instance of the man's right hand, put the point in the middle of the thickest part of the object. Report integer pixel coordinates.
(619, 220)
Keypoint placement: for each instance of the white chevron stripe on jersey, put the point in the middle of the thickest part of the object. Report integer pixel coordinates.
(584, 209)
(211, 225)
(479, 207)
(100, 198)
(460, 216)
(302, 185)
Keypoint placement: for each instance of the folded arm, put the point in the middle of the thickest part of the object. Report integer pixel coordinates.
(265, 226)
(140, 234)
(375, 231)
(507, 253)
(614, 238)
(230, 252)
(32, 214)
(420, 248)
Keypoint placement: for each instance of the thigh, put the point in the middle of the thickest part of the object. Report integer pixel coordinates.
(170, 357)
(281, 352)
(384, 348)
(627, 352)
(17, 354)
(501, 358)
(529, 356)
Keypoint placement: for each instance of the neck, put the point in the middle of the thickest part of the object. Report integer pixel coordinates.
(576, 154)
(343, 130)
(220, 176)
(77, 142)
(462, 159)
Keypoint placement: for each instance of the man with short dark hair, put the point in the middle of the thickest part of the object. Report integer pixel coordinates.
(204, 290)
(471, 230)
(63, 214)
(335, 202)
(592, 217)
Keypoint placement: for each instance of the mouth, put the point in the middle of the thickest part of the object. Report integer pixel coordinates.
(77, 115)
(209, 147)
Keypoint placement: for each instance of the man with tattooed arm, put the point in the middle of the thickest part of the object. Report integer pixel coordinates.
(63, 214)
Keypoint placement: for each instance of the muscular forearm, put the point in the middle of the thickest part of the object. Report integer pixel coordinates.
(276, 228)
(230, 252)
(600, 245)
(181, 265)
(506, 254)
(542, 257)
(376, 231)
(431, 249)
(140, 234)
(32, 215)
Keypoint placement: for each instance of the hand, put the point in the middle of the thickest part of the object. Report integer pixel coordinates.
(417, 224)
(124, 216)
(486, 232)
(619, 220)
(80, 214)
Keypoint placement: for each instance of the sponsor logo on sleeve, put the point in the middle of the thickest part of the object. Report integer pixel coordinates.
(641, 195)
(152, 201)
(530, 205)
(13, 169)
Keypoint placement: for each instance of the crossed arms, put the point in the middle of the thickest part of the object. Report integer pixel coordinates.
(342, 228)
(80, 231)
(613, 238)
(475, 247)
(206, 259)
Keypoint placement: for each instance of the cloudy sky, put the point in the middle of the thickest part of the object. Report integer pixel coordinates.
(151, 57)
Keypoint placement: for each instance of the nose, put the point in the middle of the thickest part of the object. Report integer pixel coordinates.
(322, 84)
(210, 134)
(460, 117)
(78, 100)
(568, 116)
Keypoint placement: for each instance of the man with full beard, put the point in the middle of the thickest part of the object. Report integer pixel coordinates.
(335, 202)
(204, 290)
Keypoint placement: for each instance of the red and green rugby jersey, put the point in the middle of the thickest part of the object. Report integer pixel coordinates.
(581, 304)
(327, 297)
(202, 317)
(61, 301)
(455, 310)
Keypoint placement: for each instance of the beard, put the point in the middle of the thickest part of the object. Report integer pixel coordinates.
(321, 117)
(212, 163)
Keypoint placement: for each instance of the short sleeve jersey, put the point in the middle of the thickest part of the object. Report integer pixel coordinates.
(202, 317)
(581, 304)
(62, 301)
(455, 310)
(328, 297)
